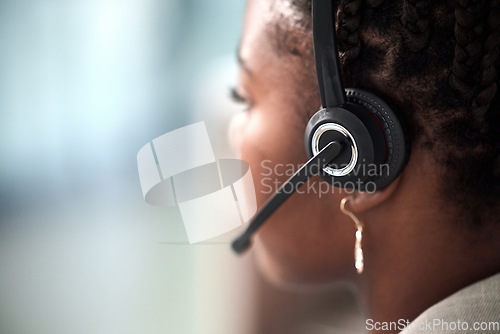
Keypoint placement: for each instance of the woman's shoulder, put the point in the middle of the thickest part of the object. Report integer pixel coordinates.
(473, 309)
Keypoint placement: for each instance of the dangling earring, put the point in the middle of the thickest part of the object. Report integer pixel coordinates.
(358, 251)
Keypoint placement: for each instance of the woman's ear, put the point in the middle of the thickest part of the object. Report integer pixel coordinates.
(362, 200)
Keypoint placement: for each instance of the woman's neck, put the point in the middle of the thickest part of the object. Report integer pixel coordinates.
(408, 272)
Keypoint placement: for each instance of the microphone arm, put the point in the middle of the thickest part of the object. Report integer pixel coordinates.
(311, 168)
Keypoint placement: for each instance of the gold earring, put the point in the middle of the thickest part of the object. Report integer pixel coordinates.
(358, 251)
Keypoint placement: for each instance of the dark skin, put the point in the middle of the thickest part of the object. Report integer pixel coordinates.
(416, 253)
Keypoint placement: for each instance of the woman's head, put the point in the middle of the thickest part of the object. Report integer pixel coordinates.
(435, 60)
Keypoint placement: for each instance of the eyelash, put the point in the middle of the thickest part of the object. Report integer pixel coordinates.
(238, 98)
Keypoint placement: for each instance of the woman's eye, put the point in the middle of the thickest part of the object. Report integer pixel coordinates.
(239, 98)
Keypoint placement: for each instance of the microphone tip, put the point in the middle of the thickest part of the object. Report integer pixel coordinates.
(240, 244)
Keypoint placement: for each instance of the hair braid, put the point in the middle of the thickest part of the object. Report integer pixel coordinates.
(488, 84)
(468, 34)
(349, 19)
(374, 3)
(415, 20)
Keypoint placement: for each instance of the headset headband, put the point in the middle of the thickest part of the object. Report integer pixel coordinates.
(331, 88)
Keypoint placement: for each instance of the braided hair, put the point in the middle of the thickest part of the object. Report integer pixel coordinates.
(438, 61)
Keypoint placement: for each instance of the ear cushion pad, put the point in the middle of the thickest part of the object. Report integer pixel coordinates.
(397, 144)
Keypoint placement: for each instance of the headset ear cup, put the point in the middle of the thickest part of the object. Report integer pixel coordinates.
(370, 131)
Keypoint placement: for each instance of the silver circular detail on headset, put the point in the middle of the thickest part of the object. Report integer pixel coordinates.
(354, 148)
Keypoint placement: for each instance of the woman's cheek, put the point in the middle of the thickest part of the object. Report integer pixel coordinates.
(245, 136)
(236, 131)
(260, 150)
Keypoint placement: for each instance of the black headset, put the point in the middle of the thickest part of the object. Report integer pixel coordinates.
(356, 140)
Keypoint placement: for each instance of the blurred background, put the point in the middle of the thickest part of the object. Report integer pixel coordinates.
(84, 84)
